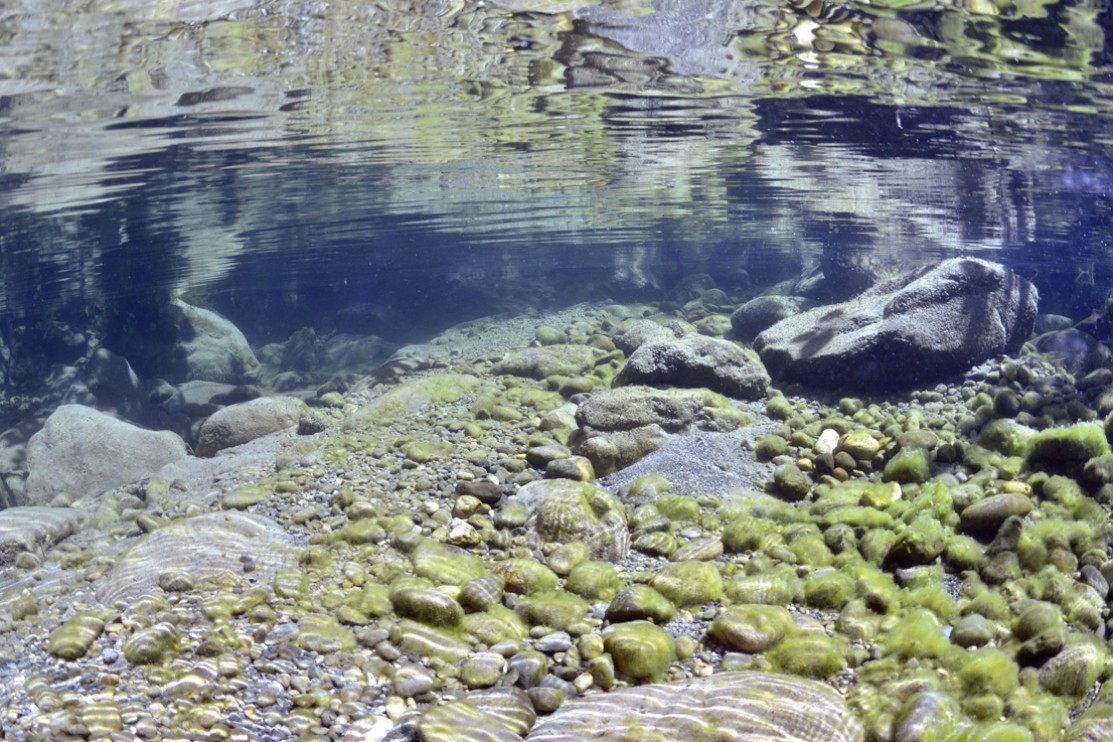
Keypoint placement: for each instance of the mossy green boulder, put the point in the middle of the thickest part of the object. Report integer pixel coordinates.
(751, 628)
(691, 582)
(640, 649)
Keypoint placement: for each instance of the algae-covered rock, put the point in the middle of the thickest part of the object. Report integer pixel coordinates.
(778, 586)
(556, 609)
(462, 720)
(524, 576)
(639, 602)
(810, 654)
(1006, 437)
(563, 511)
(920, 543)
(72, 639)
(640, 649)
(203, 547)
(910, 465)
(917, 635)
(152, 645)
(729, 705)
(413, 397)
(927, 715)
(989, 670)
(791, 483)
(751, 628)
(323, 633)
(551, 360)
(1067, 449)
(828, 588)
(1074, 670)
(988, 514)
(688, 583)
(427, 605)
(594, 581)
(445, 564)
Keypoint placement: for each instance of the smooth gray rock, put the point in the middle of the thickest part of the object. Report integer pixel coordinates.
(695, 361)
(762, 313)
(34, 529)
(208, 347)
(81, 452)
(920, 327)
(246, 421)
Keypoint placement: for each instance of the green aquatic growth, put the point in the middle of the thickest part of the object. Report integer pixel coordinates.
(810, 654)
(496, 624)
(640, 649)
(828, 588)
(1074, 670)
(427, 605)
(639, 602)
(935, 499)
(1067, 449)
(776, 586)
(1006, 437)
(917, 635)
(964, 553)
(745, 533)
(934, 598)
(769, 447)
(291, 583)
(412, 397)
(72, 640)
(812, 550)
(876, 588)
(910, 465)
(432, 642)
(445, 564)
(751, 628)
(678, 507)
(244, 497)
(424, 451)
(875, 545)
(594, 580)
(526, 576)
(791, 483)
(648, 487)
(323, 633)
(689, 582)
(920, 542)
(555, 609)
(988, 670)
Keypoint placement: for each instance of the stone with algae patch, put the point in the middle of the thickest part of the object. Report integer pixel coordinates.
(730, 706)
(204, 547)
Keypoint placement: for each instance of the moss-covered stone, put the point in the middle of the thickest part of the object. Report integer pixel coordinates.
(828, 588)
(525, 576)
(1006, 437)
(918, 635)
(72, 639)
(556, 609)
(594, 581)
(678, 507)
(641, 602)
(989, 670)
(640, 649)
(1067, 449)
(769, 447)
(427, 605)
(919, 543)
(1074, 670)
(777, 586)
(909, 466)
(791, 483)
(751, 628)
(688, 583)
(810, 654)
(324, 634)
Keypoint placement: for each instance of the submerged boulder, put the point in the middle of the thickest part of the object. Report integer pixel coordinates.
(917, 328)
(696, 361)
(81, 452)
(246, 421)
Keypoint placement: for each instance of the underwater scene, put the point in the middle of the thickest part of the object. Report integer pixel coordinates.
(502, 370)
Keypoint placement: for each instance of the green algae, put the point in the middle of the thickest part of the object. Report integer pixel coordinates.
(690, 582)
(556, 609)
(594, 581)
(324, 634)
(640, 649)
(153, 645)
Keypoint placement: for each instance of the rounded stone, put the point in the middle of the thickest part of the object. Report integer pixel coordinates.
(688, 583)
(640, 649)
(482, 669)
(987, 515)
(751, 628)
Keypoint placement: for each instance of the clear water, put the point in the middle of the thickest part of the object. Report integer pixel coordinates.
(397, 167)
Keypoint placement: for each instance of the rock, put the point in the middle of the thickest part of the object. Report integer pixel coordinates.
(203, 547)
(640, 649)
(198, 344)
(920, 327)
(563, 511)
(751, 628)
(644, 331)
(689, 583)
(1074, 670)
(550, 360)
(987, 515)
(34, 530)
(1075, 350)
(246, 421)
(762, 313)
(639, 602)
(1067, 449)
(673, 410)
(696, 361)
(82, 452)
(728, 705)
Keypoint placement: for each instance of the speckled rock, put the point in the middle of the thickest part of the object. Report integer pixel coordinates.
(730, 706)
(246, 421)
(696, 361)
(204, 547)
(762, 313)
(81, 452)
(914, 328)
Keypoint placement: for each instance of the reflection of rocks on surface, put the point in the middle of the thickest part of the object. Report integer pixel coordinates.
(920, 327)
(81, 452)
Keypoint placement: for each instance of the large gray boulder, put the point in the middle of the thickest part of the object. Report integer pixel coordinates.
(246, 421)
(696, 361)
(210, 347)
(762, 313)
(920, 327)
(81, 452)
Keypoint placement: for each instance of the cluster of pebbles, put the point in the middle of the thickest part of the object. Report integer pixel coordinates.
(443, 563)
